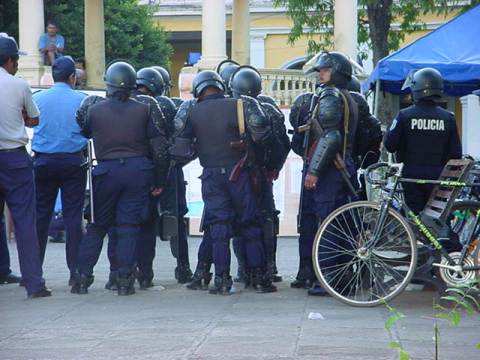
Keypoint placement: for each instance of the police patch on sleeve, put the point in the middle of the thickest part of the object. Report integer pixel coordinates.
(394, 124)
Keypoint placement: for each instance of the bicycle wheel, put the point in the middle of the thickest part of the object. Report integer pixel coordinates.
(355, 270)
(461, 220)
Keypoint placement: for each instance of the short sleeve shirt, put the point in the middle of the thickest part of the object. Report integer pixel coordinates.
(15, 96)
(44, 41)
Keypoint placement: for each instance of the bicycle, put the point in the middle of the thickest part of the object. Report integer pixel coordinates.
(365, 253)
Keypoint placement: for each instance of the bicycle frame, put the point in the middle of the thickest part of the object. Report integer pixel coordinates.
(414, 219)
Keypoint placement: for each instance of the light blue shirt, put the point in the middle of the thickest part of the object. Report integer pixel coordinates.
(58, 130)
(44, 41)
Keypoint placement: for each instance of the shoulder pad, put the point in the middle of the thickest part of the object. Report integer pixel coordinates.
(271, 110)
(302, 100)
(182, 114)
(267, 99)
(255, 116)
(329, 91)
(248, 99)
(145, 99)
(177, 101)
(169, 110)
(299, 109)
(82, 111)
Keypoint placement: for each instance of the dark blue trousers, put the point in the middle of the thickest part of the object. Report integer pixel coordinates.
(63, 172)
(417, 195)
(227, 202)
(121, 191)
(4, 253)
(17, 189)
(330, 193)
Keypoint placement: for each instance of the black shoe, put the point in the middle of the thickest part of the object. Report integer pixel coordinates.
(81, 284)
(262, 281)
(44, 292)
(222, 285)
(125, 285)
(183, 274)
(112, 281)
(10, 279)
(304, 278)
(201, 278)
(57, 239)
(317, 290)
(145, 279)
(71, 280)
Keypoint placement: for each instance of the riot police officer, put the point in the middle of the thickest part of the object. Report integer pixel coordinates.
(424, 136)
(246, 81)
(225, 69)
(227, 189)
(126, 133)
(326, 147)
(173, 197)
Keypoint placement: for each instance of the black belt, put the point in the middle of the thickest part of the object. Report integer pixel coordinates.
(79, 153)
(18, 149)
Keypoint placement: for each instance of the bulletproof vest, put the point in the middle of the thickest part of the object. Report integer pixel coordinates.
(427, 129)
(119, 129)
(215, 126)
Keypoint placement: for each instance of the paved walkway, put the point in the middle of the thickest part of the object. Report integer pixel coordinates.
(170, 322)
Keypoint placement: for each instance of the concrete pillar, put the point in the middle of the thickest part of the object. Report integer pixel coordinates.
(471, 125)
(214, 38)
(94, 43)
(345, 27)
(31, 26)
(257, 50)
(241, 32)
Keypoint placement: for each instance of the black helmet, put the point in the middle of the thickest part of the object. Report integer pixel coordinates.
(205, 79)
(340, 65)
(424, 83)
(120, 76)
(151, 78)
(225, 69)
(246, 80)
(8, 46)
(167, 83)
(354, 85)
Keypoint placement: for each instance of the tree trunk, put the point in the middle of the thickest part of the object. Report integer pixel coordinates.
(379, 20)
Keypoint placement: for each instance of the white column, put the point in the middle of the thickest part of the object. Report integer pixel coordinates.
(257, 50)
(345, 27)
(214, 38)
(471, 125)
(241, 32)
(94, 42)
(30, 27)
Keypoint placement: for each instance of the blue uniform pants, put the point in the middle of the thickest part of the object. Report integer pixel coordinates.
(121, 190)
(330, 193)
(4, 253)
(63, 172)
(227, 202)
(17, 189)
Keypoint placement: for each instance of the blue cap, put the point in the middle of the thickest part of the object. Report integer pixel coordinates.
(63, 67)
(8, 46)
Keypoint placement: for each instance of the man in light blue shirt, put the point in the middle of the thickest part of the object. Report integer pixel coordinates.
(58, 147)
(51, 44)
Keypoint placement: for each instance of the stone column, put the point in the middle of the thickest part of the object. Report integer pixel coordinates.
(470, 125)
(94, 43)
(241, 32)
(257, 50)
(345, 27)
(30, 26)
(214, 38)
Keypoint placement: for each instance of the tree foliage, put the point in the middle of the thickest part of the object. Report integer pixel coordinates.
(130, 33)
(315, 18)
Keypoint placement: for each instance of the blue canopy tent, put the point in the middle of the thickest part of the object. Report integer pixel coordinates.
(453, 49)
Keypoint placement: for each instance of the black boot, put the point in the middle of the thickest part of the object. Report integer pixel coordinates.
(201, 278)
(125, 285)
(112, 281)
(262, 281)
(145, 279)
(81, 282)
(222, 285)
(304, 279)
(183, 274)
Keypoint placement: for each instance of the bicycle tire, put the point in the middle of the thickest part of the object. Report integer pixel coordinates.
(395, 262)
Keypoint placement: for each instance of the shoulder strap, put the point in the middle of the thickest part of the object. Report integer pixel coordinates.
(240, 117)
(346, 120)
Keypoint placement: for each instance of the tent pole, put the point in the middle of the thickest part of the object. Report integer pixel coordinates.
(377, 95)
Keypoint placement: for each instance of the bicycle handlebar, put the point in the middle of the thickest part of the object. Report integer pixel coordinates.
(392, 170)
